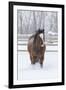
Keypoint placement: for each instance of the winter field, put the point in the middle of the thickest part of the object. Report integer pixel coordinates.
(26, 71)
(27, 25)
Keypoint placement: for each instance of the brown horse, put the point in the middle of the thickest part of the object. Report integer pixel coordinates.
(36, 47)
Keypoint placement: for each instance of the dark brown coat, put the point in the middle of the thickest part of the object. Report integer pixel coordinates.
(36, 49)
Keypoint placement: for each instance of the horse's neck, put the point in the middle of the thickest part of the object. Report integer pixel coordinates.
(35, 37)
(35, 43)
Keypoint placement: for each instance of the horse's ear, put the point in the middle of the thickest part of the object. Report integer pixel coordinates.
(39, 30)
(43, 30)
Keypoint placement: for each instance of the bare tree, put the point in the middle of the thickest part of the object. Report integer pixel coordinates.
(30, 21)
(34, 21)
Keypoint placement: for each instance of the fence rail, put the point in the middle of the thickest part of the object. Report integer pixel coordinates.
(51, 43)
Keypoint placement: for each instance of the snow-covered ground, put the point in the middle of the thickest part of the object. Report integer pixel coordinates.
(26, 71)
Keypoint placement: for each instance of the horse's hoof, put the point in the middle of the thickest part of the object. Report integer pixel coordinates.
(32, 62)
(41, 65)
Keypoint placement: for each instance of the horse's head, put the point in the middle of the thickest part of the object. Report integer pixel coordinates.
(41, 33)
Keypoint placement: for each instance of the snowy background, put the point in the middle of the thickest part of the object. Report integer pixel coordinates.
(28, 23)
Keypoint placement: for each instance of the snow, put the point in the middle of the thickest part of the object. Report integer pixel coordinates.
(27, 71)
(52, 33)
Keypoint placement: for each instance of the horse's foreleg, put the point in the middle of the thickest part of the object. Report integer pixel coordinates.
(41, 61)
(32, 60)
